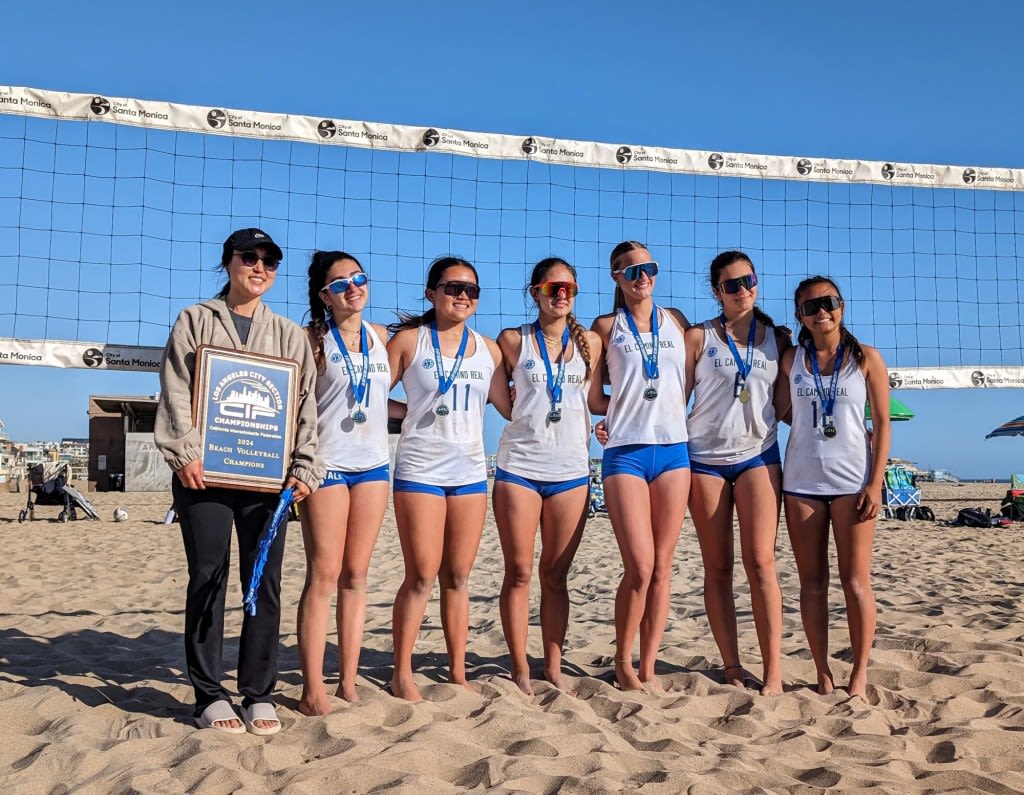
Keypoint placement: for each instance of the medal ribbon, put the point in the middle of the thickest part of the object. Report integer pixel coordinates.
(358, 388)
(743, 368)
(445, 381)
(650, 360)
(828, 400)
(554, 381)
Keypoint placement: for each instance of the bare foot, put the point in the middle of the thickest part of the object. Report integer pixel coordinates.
(555, 678)
(772, 687)
(347, 692)
(313, 704)
(825, 683)
(858, 682)
(734, 675)
(652, 684)
(404, 687)
(522, 681)
(626, 676)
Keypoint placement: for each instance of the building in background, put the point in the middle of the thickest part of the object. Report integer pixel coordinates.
(122, 454)
(6, 457)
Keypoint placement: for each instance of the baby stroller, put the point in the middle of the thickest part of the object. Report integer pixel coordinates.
(48, 483)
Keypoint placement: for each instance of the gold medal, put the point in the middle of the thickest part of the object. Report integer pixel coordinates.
(744, 395)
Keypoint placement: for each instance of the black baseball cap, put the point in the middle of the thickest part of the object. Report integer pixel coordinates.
(248, 239)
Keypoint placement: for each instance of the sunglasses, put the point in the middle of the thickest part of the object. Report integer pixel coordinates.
(632, 272)
(250, 258)
(829, 303)
(338, 286)
(552, 289)
(455, 289)
(732, 286)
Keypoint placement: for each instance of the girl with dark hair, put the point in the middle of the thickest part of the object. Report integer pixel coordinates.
(834, 471)
(448, 373)
(732, 364)
(543, 472)
(646, 467)
(237, 318)
(340, 522)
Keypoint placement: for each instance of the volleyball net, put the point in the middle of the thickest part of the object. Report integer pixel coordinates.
(113, 212)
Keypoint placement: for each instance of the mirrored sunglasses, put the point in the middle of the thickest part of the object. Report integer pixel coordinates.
(552, 289)
(632, 272)
(455, 289)
(732, 286)
(338, 286)
(250, 258)
(830, 303)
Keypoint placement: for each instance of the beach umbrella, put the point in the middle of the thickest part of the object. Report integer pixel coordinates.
(1011, 428)
(263, 545)
(898, 412)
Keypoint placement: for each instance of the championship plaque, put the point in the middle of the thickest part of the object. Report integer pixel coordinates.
(244, 406)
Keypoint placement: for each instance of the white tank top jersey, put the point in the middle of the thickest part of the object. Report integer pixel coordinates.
(448, 450)
(631, 418)
(724, 430)
(815, 464)
(532, 446)
(345, 445)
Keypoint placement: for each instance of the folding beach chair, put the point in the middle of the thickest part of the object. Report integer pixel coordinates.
(1012, 506)
(900, 495)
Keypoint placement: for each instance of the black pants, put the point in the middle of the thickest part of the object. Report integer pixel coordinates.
(206, 519)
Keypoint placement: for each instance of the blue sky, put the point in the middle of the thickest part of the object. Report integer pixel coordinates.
(912, 82)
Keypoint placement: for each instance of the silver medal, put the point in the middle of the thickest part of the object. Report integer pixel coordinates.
(359, 417)
(441, 410)
(830, 431)
(650, 393)
(555, 415)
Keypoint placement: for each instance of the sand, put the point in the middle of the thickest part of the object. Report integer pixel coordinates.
(93, 697)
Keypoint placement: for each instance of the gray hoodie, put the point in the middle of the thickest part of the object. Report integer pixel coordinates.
(210, 323)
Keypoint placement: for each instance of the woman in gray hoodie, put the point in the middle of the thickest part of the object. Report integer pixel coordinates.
(238, 319)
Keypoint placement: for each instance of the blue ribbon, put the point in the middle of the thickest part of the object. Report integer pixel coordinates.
(445, 381)
(358, 389)
(263, 544)
(650, 360)
(554, 381)
(743, 368)
(828, 400)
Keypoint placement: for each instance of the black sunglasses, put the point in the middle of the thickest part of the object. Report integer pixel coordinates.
(829, 303)
(250, 258)
(732, 286)
(455, 289)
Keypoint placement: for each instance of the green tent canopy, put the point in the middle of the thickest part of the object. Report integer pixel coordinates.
(898, 412)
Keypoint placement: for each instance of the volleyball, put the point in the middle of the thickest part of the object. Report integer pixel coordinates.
(120, 515)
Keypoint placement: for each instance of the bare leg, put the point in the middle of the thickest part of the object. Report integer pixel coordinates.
(517, 512)
(854, 540)
(563, 518)
(629, 509)
(464, 525)
(365, 515)
(324, 517)
(757, 504)
(807, 521)
(668, 509)
(711, 507)
(420, 519)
